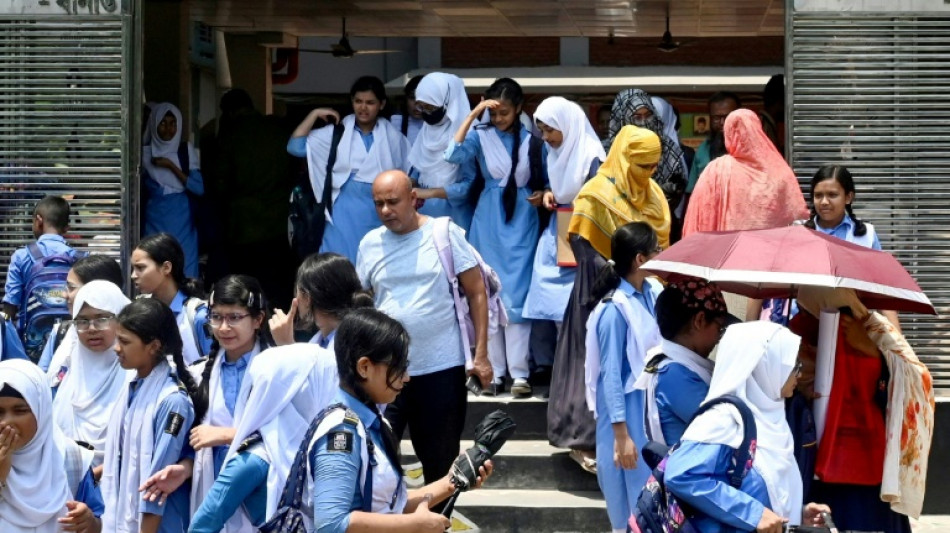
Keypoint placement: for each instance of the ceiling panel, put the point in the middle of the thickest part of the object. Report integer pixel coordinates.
(441, 18)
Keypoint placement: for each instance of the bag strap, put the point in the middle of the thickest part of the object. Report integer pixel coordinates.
(292, 494)
(404, 126)
(536, 181)
(743, 457)
(443, 245)
(35, 252)
(184, 158)
(327, 199)
(191, 311)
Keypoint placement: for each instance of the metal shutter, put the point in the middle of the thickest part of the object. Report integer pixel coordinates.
(871, 92)
(63, 124)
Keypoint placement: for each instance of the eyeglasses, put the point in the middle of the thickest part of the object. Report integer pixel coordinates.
(233, 319)
(99, 323)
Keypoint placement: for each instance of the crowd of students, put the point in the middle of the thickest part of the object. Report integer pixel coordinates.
(186, 411)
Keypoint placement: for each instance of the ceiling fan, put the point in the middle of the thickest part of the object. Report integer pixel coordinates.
(345, 49)
(667, 44)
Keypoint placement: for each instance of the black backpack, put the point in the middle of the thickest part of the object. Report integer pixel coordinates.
(307, 219)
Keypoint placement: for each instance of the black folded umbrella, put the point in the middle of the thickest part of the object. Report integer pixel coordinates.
(490, 435)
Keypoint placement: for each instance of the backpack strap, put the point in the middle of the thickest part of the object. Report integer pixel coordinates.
(35, 252)
(443, 245)
(327, 199)
(404, 126)
(191, 311)
(184, 158)
(743, 457)
(536, 181)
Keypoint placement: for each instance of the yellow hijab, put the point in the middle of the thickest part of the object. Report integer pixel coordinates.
(622, 192)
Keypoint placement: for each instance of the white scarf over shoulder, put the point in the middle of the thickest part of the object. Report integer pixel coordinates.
(569, 164)
(427, 153)
(283, 390)
(156, 147)
(498, 158)
(390, 150)
(94, 380)
(131, 437)
(754, 361)
(36, 490)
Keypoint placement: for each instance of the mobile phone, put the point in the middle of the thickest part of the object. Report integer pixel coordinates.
(474, 385)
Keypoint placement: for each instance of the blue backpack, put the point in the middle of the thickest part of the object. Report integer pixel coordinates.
(658, 510)
(44, 298)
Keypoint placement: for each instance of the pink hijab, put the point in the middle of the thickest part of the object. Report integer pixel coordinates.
(752, 187)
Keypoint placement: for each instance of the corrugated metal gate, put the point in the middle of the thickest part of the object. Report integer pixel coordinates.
(871, 91)
(64, 120)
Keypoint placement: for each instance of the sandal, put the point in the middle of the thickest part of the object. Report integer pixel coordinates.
(588, 463)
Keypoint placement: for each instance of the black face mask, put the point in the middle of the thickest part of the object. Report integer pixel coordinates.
(432, 118)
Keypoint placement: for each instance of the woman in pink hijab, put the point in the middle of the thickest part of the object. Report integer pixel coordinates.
(751, 187)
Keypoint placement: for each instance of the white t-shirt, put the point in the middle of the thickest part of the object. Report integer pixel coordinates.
(410, 285)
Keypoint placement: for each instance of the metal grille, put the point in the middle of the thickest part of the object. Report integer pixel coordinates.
(61, 127)
(871, 92)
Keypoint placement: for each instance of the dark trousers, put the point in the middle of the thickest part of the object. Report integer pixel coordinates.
(433, 406)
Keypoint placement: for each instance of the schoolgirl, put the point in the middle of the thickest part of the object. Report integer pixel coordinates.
(158, 270)
(409, 122)
(372, 352)
(620, 331)
(327, 288)
(150, 423)
(444, 105)
(574, 155)
(369, 145)
(757, 362)
(285, 388)
(90, 380)
(505, 225)
(84, 270)
(166, 181)
(832, 195)
(46, 484)
(692, 316)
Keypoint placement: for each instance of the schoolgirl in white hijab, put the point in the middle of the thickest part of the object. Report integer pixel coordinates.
(93, 379)
(39, 467)
(756, 361)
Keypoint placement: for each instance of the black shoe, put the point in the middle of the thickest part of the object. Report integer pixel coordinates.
(494, 388)
(541, 377)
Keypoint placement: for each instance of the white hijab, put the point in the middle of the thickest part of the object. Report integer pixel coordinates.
(36, 489)
(753, 362)
(426, 155)
(389, 151)
(167, 149)
(283, 390)
(94, 380)
(668, 117)
(569, 165)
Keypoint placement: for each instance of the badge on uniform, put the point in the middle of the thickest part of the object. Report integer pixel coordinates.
(173, 424)
(340, 441)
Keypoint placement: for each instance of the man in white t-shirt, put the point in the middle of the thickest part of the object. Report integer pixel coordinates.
(400, 263)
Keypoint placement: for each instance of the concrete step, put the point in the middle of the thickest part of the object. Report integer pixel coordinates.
(529, 464)
(534, 511)
(529, 413)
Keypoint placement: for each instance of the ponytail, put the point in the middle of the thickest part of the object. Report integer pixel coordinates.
(629, 241)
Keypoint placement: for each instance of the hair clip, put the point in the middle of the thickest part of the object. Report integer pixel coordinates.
(611, 263)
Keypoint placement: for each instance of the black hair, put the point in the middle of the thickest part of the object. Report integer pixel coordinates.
(149, 319)
(626, 243)
(246, 292)
(332, 284)
(375, 335)
(774, 92)
(236, 100)
(162, 247)
(722, 96)
(410, 90)
(509, 89)
(93, 267)
(55, 212)
(672, 315)
(7, 391)
(676, 113)
(843, 176)
(369, 83)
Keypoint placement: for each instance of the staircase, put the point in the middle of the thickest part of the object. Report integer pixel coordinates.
(535, 488)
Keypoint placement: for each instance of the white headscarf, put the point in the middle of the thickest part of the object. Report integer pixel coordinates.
(284, 389)
(389, 151)
(569, 165)
(668, 117)
(443, 90)
(167, 149)
(94, 380)
(36, 489)
(754, 361)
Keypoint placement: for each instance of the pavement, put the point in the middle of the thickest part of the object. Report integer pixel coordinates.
(931, 524)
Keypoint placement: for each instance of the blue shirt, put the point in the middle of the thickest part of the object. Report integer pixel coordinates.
(337, 489)
(201, 318)
(696, 475)
(89, 494)
(845, 231)
(612, 339)
(12, 347)
(679, 392)
(322, 341)
(242, 481)
(22, 262)
(232, 374)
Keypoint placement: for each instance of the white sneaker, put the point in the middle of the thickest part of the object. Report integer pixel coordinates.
(521, 388)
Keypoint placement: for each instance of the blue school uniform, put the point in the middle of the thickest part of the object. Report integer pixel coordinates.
(457, 205)
(551, 285)
(696, 475)
(171, 213)
(232, 375)
(22, 262)
(11, 348)
(845, 231)
(507, 246)
(88, 493)
(242, 481)
(621, 487)
(196, 341)
(679, 392)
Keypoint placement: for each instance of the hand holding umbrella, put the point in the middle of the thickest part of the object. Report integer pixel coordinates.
(490, 435)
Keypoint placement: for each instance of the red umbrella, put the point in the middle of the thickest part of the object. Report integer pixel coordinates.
(773, 263)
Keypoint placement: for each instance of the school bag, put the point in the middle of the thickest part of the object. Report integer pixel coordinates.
(497, 316)
(44, 298)
(657, 509)
(307, 219)
(289, 518)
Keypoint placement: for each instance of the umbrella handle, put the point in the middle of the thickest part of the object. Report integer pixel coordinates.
(450, 504)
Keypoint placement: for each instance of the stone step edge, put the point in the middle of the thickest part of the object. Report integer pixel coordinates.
(512, 448)
(538, 499)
